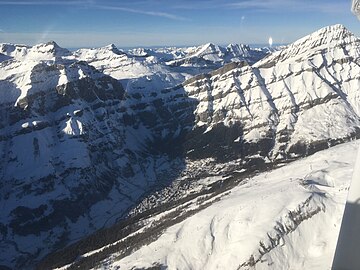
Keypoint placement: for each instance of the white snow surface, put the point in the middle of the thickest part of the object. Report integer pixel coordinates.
(227, 233)
(37, 69)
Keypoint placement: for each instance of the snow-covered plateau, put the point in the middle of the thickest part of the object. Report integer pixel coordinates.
(108, 151)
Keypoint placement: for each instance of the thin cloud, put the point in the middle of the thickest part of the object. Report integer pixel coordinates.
(196, 5)
(242, 19)
(92, 4)
(138, 11)
(267, 5)
(44, 3)
(291, 5)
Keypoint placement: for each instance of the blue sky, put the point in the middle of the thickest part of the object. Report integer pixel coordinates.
(94, 23)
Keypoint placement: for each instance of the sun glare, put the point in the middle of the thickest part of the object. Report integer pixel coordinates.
(270, 41)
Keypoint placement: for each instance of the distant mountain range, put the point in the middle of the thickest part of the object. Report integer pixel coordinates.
(96, 136)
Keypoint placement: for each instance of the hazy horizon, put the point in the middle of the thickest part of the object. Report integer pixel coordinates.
(158, 23)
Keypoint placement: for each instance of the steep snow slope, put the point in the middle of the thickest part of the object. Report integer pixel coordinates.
(301, 98)
(287, 218)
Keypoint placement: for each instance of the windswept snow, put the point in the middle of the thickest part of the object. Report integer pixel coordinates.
(288, 218)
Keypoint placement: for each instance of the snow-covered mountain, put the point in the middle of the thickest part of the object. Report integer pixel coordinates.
(119, 64)
(98, 135)
(209, 55)
(46, 163)
(163, 54)
(293, 102)
(75, 144)
(41, 52)
(288, 218)
(165, 67)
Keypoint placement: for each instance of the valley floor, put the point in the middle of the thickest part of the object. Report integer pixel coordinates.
(288, 218)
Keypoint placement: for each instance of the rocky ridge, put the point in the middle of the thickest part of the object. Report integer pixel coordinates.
(293, 102)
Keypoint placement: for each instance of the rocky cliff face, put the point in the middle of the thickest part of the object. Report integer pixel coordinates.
(79, 151)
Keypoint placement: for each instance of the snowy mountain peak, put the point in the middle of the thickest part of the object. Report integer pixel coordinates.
(336, 28)
(238, 49)
(331, 38)
(13, 50)
(113, 48)
(38, 52)
(50, 48)
(232, 46)
(210, 45)
(331, 34)
(208, 48)
(52, 43)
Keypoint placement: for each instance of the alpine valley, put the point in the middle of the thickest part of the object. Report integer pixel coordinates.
(177, 158)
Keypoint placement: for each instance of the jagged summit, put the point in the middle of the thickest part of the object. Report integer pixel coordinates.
(39, 52)
(111, 47)
(334, 38)
(52, 43)
(99, 53)
(6, 48)
(214, 55)
(13, 50)
(207, 49)
(51, 49)
(283, 85)
(238, 49)
(337, 33)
